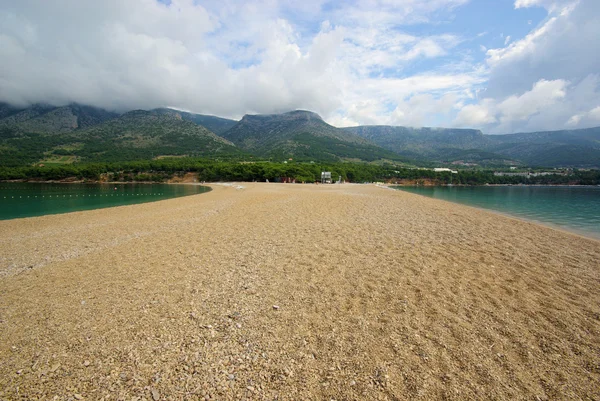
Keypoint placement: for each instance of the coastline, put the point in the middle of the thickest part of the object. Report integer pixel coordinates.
(25, 200)
(182, 181)
(498, 185)
(564, 228)
(567, 229)
(297, 292)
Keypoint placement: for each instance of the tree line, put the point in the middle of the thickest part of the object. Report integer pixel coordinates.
(214, 170)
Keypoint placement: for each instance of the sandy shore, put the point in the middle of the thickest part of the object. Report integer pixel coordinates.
(381, 294)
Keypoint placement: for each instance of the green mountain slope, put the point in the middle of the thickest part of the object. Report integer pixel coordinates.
(567, 148)
(135, 135)
(214, 124)
(301, 135)
(431, 144)
(217, 125)
(144, 134)
(564, 148)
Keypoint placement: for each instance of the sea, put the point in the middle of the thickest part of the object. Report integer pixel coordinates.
(35, 199)
(573, 208)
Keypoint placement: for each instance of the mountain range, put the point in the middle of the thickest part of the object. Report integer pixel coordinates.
(53, 135)
(566, 148)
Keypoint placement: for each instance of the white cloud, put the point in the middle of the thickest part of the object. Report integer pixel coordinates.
(592, 117)
(370, 50)
(418, 100)
(509, 113)
(519, 48)
(226, 58)
(476, 115)
(565, 46)
(594, 113)
(549, 78)
(543, 94)
(359, 62)
(550, 5)
(420, 109)
(393, 12)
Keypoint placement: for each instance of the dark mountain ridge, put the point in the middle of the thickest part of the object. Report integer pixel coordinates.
(49, 119)
(215, 124)
(302, 135)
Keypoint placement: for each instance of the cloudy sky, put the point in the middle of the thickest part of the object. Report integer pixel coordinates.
(499, 65)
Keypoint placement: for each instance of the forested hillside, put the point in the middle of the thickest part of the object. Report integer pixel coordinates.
(302, 135)
(136, 135)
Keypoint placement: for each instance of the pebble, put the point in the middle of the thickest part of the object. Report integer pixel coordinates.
(155, 394)
(231, 377)
(78, 396)
(275, 307)
(86, 363)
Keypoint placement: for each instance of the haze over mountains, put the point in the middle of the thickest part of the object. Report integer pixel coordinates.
(43, 133)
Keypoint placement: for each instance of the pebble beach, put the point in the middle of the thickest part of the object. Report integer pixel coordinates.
(286, 292)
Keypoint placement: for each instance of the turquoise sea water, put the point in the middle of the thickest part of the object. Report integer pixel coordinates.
(33, 199)
(572, 208)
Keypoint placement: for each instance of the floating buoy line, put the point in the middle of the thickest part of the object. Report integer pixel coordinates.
(57, 196)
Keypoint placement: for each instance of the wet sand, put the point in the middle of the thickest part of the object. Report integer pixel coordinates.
(288, 292)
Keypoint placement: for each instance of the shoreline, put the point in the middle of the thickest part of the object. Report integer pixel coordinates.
(307, 183)
(239, 185)
(565, 229)
(496, 185)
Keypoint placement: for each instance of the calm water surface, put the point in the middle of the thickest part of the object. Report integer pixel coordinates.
(33, 199)
(572, 208)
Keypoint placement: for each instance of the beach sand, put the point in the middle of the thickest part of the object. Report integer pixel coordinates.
(275, 291)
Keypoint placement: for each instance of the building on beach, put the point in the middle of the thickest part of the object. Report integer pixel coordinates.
(326, 177)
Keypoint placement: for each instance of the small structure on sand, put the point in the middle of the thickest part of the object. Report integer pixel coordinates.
(326, 177)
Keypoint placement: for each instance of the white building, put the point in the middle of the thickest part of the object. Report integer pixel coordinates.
(441, 169)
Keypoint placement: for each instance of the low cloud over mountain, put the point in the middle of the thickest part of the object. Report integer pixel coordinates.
(404, 62)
